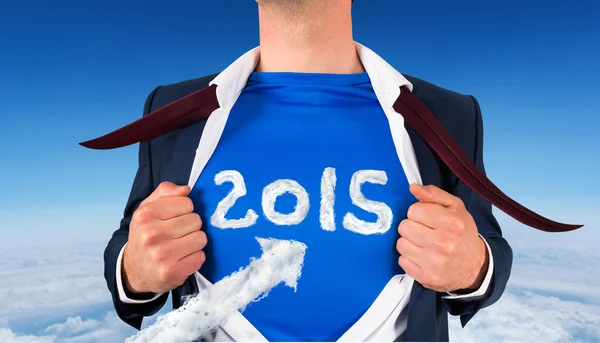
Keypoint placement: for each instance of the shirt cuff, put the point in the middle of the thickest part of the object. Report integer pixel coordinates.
(486, 281)
(121, 290)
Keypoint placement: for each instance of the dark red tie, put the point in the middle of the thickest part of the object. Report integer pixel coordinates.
(186, 111)
(199, 105)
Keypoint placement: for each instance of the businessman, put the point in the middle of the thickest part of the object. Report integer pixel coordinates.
(313, 137)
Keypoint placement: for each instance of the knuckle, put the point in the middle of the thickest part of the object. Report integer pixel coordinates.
(157, 255)
(142, 215)
(164, 274)
(450, 247)
(445, 245)
(401, 263)
(437, 262)
(457, 202)
(188, 204)
(415, 210)
(203, 239)
(196, 220)
(441, 245)
(443, 262)
(164, 186)
(400, 245)
(411, 210)
(146, 238)
(403, 227)
(201, 259)
(457, 224)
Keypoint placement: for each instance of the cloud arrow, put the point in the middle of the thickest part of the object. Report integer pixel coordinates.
(281, 261)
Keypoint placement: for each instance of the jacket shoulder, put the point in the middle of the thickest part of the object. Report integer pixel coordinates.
(435, 96)
(457, 112)
(166, 94)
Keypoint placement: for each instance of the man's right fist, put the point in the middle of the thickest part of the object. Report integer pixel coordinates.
(165, 242)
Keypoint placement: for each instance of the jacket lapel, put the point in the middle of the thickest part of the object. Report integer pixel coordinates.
(182, 148)
(182, 152)
(421, 306)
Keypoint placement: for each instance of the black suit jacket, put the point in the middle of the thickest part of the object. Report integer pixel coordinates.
(170, 157)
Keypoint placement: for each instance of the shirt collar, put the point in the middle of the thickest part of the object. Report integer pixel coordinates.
(386, 80)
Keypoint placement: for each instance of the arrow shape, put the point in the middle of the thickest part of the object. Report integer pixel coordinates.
(281, 261)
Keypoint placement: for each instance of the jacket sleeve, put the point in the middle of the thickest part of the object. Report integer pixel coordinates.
(143, 185)
(488, 227)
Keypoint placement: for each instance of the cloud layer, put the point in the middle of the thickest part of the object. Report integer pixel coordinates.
(46, 283)
(75, 330)
(529, 317)
(58, 295)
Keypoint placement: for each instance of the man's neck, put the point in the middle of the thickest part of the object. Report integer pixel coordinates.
(317, 42)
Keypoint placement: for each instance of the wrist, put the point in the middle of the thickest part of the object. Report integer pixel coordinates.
(479, 270)
(131, 288)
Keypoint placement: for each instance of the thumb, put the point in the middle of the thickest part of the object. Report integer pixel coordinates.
(167, 189)
(435, 195)
(420, 192)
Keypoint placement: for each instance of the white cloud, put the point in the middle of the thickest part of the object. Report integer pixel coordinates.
(109, 329)
(7, 336)
(103, 335)
(76, 330)
(50, 282)
(529, 317)
(559, 270)
(73, 325)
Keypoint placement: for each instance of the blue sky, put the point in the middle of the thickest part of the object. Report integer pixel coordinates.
(70, 71)
(80, 69)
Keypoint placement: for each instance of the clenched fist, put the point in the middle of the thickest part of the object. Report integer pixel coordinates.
(165, 242)
(439, 245)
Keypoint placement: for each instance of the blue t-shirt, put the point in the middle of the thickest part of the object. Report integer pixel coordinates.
(305, 129)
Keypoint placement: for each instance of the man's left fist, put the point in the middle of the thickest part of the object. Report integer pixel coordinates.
(439, 244)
